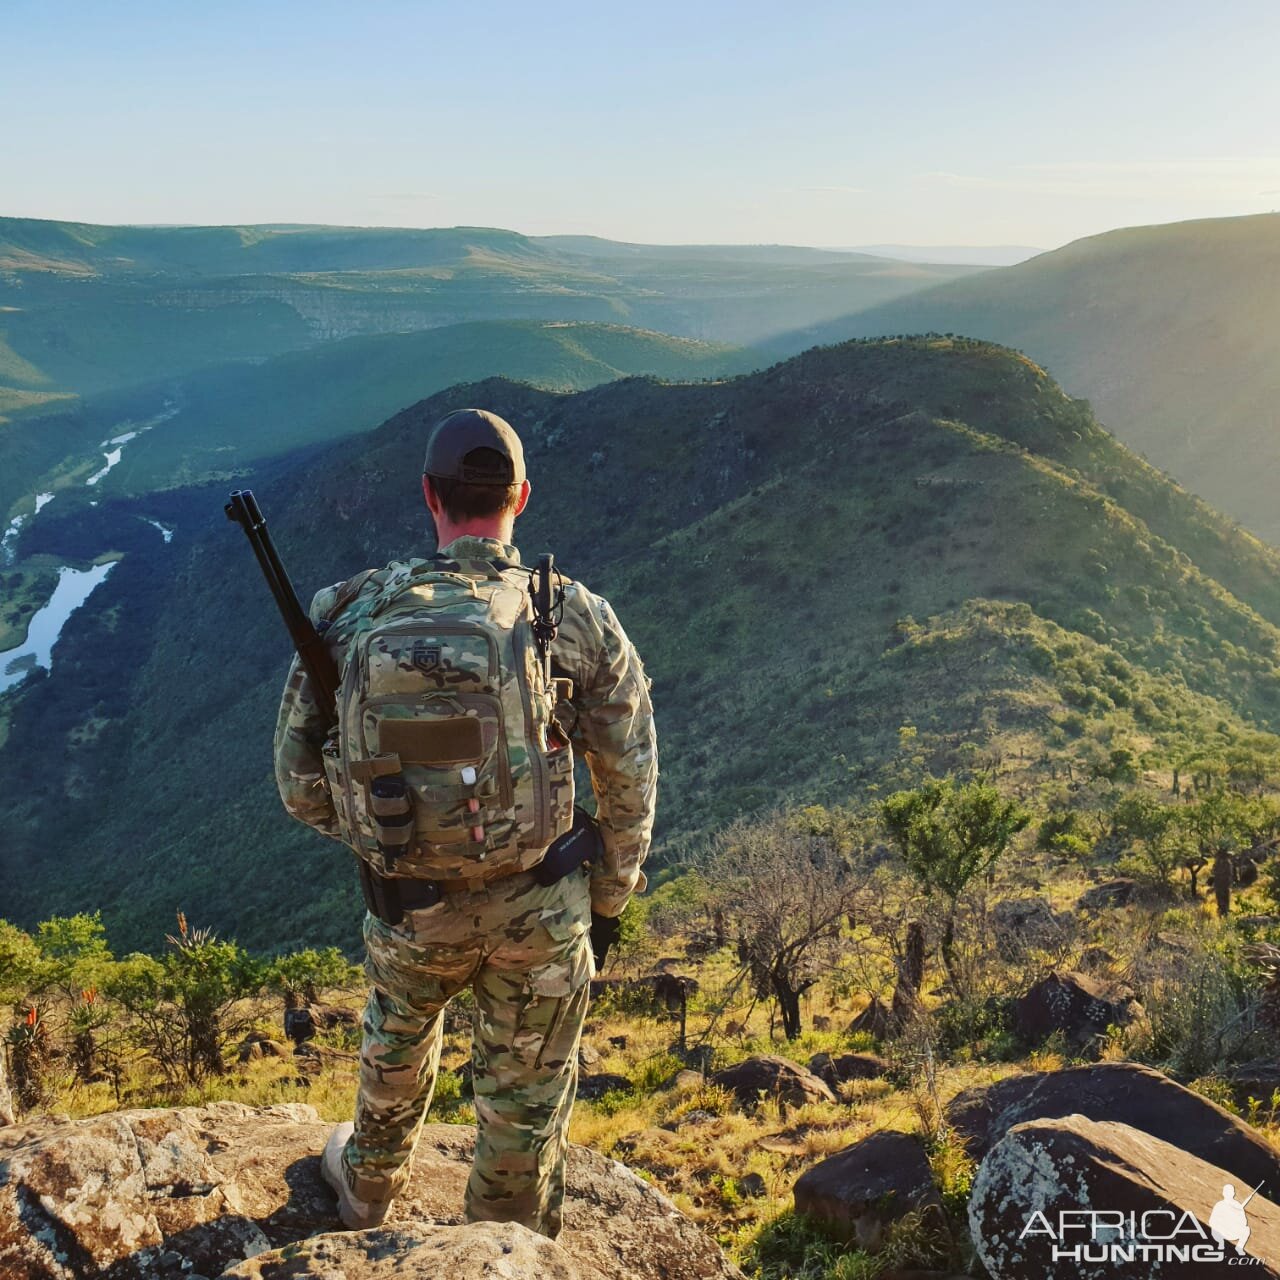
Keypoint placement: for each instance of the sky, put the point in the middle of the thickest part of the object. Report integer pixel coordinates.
(806, 123)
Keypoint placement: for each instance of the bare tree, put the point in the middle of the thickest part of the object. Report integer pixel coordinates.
(787, 885)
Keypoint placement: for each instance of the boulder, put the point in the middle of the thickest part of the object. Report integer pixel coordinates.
(1021, 923)
(1096, 959)
(685, 1080)
(320, 1053)
(768, 1076)
(592, 1087)
(1259, 1079)
(328, 1016)
(258, 1045)
(1111, 893)
(587, 1056)
(1115, 1091)
(1257, 922)
(860, 1191)
(479, 1251)
(1073, 1164)
(876, 1020)
(193, 1191)
(1079, 1006)
(844, 1067)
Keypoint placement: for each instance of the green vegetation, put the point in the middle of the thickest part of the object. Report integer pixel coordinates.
(201, 1020)
(866, 566)
(948, 835)
(169, 1021)
(1168, 330)
(22, 591)
(231, 415)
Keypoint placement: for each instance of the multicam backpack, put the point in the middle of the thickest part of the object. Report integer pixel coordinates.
(448, 762)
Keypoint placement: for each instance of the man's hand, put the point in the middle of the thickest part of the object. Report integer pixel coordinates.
(604, 933)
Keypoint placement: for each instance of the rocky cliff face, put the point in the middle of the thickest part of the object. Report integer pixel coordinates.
(228, 1190)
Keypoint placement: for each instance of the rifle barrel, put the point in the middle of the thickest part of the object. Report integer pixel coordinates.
(243, 509)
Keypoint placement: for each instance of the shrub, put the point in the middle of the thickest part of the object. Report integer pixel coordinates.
(305, 973)
(184, 1005)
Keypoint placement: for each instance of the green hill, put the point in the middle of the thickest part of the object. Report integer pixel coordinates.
(223, 417)
(1172, 333)
(866, 562)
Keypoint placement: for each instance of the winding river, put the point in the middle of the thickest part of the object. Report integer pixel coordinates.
(74, 587)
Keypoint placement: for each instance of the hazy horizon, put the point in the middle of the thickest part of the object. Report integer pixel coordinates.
(726, 124)
(970, 254)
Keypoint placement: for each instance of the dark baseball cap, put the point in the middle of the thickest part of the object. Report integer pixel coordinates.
(476, 447)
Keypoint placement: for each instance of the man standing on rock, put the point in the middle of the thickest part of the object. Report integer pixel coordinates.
(450, 773)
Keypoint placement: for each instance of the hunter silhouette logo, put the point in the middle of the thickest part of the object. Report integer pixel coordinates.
(1228, 1221)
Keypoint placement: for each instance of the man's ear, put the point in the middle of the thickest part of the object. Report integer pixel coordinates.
(429, 496)
(523, 501)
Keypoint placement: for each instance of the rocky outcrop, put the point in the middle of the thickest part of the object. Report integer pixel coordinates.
(1111, 893)
(844, 1067)
(1122, 1092)
(1076, 1005)
(876, 1020)
(861, 1190)
(483, 1251)
(1070, 1165)
(593, 1087)
(193, 1191)
(302, 1021)
(766, 1076)
(1024, 923)
(1259, 1079)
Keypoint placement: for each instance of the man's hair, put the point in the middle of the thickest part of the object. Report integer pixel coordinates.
(463, 500)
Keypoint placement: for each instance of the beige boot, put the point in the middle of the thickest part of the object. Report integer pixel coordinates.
(355, 1214)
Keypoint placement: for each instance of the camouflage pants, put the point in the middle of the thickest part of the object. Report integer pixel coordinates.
(524, 950)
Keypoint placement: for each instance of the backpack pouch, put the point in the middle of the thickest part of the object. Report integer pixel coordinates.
(443, 680)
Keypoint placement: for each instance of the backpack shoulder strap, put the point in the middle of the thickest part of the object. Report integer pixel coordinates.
(347, 592)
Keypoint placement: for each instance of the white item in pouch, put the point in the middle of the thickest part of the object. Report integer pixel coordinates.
(469, 775)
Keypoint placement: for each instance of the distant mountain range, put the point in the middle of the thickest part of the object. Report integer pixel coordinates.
(1172, 333)
(867, 561)
(87, 308)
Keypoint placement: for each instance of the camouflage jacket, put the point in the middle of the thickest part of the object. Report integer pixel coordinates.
(613, 730)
